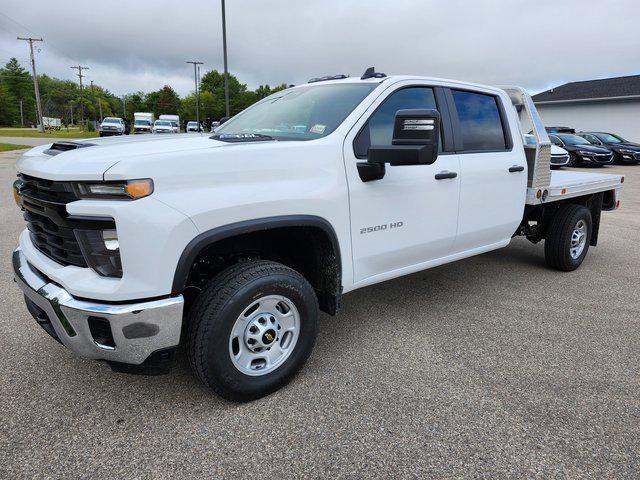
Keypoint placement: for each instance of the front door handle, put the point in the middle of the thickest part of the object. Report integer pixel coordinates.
(443, 175)
(516, 168)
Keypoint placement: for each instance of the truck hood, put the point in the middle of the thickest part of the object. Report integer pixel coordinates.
(89, 159)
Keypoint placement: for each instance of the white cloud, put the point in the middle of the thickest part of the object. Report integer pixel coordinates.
(143, 45)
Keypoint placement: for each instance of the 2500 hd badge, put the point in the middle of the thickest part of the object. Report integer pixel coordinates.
(379, 228)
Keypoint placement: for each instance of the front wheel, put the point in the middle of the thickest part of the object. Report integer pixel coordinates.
(568, 238)
(251, 329)
(573, 160)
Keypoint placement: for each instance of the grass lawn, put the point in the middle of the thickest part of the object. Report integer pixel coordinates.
(33, 133)
(7, 147)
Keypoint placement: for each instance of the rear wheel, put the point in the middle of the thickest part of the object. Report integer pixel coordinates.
(568, 238)
(251, 329)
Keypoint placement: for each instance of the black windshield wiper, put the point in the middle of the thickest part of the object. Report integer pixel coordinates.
(241, 137)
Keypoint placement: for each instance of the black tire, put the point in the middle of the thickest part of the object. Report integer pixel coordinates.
(557, 245)
(573, 160)
(215, 312)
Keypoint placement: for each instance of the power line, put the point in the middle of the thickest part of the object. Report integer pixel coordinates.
(35, 79)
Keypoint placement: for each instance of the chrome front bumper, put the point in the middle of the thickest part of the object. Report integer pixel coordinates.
(137, 329)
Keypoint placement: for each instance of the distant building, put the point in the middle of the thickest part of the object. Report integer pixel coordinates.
(607, 105)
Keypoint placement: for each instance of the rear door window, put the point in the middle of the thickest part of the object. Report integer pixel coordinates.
(480, 121)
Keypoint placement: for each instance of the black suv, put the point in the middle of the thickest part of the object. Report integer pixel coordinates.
(581, 151)
(625, 152)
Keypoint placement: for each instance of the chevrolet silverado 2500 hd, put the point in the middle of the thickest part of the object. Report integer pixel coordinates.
(233, 242)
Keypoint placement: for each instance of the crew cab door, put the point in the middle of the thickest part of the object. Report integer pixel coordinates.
(493, 182)
(407, 219)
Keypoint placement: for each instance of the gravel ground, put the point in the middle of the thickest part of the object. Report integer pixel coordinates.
(490, 367)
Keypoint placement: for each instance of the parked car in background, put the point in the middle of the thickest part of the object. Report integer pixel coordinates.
(559, 156)
(581, 151)
(174, 119)
(142, 122)
(624, 150)
(193, 127)
(112, 126)
(164, 126)
(215, 124)
(560, 130)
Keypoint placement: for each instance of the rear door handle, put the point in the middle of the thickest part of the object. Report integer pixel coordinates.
(443, 175)
(516, 168)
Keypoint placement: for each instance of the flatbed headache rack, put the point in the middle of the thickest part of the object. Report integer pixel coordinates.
(543, 186)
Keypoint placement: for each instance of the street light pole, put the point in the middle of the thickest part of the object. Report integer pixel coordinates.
(195, 78)
(224, 49)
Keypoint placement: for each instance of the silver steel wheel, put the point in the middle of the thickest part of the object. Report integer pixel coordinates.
(264, 335)
(578, 239)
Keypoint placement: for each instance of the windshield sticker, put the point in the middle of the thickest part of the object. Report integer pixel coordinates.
(317, 128)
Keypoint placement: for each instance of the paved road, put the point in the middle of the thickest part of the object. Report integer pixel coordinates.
(490, 367)
(33, 142)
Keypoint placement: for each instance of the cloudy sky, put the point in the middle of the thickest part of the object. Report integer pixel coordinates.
(143, 44)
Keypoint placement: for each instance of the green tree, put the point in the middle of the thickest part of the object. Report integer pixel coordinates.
(164, 101)
(19, 86)
(8, 107)
(264, 91)
(239, 96)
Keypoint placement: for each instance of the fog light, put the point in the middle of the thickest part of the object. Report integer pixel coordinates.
(101, 250)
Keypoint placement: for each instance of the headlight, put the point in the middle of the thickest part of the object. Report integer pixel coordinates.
(125, 190)
(629, 152)
(585, 153)
(101, 250)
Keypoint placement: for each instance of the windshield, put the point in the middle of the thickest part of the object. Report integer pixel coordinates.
(573, 140)
(111, 120)
(162, 123)
(304, 113)
(608, 138)
(192, 124)
(142, 122)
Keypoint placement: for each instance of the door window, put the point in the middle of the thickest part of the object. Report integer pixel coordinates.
(480, 121)
(555, 140)
(592, 139)
(379, 129)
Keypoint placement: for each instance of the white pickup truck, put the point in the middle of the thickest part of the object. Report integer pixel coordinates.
(232, 243)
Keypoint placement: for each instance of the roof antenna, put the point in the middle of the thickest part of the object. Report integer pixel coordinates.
(371, 73)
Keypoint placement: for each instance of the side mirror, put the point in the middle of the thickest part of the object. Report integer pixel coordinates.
(224, 119)
(416, 136)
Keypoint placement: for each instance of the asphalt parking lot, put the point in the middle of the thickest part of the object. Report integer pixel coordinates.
(490, 367)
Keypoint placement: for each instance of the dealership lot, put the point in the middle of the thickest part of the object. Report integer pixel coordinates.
(492, 366)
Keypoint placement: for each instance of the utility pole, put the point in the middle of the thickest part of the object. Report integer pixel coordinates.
(93, 101)
(224, 49)
(80, 75)
(71, 107)
(21, 115)
(35, 80)
(195, 78)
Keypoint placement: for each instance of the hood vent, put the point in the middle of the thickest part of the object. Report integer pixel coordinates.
(59, 147)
